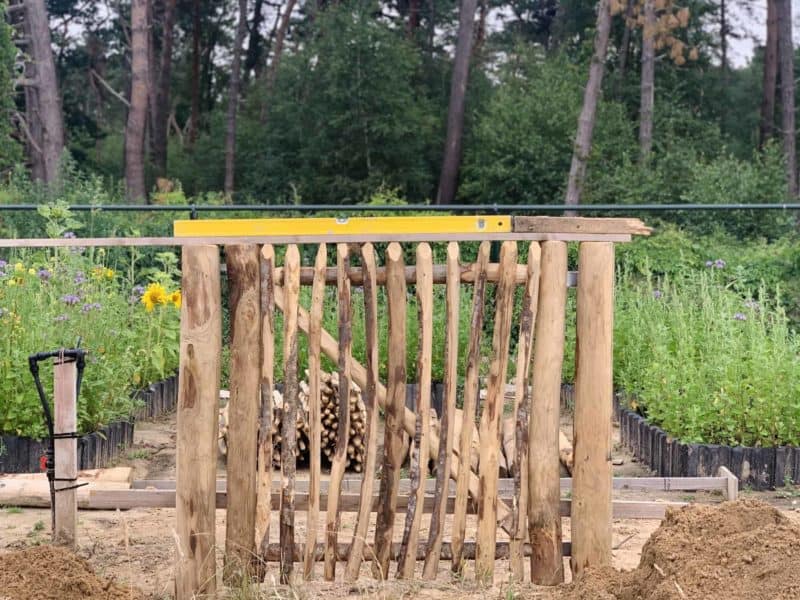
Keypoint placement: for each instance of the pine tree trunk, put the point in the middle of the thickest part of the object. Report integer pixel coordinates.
(586, 121)
(233, 99)
(254, 61)
(625, 48)
(137, 113)
(160, 132)
(723, 40)
(648, 81)
(45, 118)
(448, 180)
(767, 128)
(413, 17)
(280, 37)
(194, 122)
(786, 54)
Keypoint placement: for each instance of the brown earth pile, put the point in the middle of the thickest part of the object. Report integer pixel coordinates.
(51, 572)
(732, 551)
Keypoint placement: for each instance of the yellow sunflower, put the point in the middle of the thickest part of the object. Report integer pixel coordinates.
(154, 294)
(176, 298)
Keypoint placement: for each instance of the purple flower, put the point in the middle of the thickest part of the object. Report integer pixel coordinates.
(2, 263)
(70, 235)
(740, 316)
(60, 318)
(138, 290)
(80, 277)
(70, 299)
(752, 305)
(89, 306)
(43, 274)
(719, 264)
(657, 294)
(709, 264)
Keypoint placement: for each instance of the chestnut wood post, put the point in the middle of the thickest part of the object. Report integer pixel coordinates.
(198, 401)
(591, 472)
(65, 450)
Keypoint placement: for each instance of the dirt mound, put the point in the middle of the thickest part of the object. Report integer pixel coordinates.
(735, 550)
(51, 572)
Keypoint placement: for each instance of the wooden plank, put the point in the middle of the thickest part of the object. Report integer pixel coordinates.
(491, 416)
(264, 475)
(394, 410)
(521, 411)
(339, 461)
(586, 225)
(419, 450)
(453, 299)
(290, 401)
(731, 484)
(65, 420)
(370, 402)
(591, 475)
(244, 296)
(314, 414)
(470, 400)
(198, 401)
(544, 524)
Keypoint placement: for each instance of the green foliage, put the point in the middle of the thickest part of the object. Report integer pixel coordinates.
(10, 150)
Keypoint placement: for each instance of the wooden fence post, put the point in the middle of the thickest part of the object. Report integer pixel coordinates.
(66, 450)
(591, 473)
(198, 401)
(243, 406)
(544, 489)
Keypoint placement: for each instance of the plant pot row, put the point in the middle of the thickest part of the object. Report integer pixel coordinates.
(97, 449)
(758, 468)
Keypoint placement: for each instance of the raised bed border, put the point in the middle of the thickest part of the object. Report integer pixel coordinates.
(758, 468)
(96, 449)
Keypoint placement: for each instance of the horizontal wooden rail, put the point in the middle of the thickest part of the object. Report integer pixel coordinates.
(576, 225)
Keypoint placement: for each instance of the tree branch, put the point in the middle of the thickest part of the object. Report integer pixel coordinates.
(107, 85)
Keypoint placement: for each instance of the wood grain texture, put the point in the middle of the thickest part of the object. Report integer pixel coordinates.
(339, 461)
(370, 401)
(580, 225)
(267, 370)
(420, 449)
(394, 410)
(244, 304)
(544, 522)
(290, 400)
(314, 410)
(491, 416)
(591, 474)
(65, 420)
(521, 411)
(452, 298)
(198, 398)
(470, 402)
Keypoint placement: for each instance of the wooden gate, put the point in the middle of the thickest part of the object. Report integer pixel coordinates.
(515, 518)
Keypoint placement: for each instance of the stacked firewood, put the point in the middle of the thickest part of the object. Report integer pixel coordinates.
(329, 406)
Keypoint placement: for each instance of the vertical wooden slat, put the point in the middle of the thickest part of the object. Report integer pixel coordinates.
(263, 494)
(198, 399)
(370, 391)
(343, 430)
(522, 401)
(453, 298)
(291, 285)
(492, 413)
(544, 520)
(314, 429)
(470, 400)
(419, 451)
(395, 409)
(65, 420)
(591, 472)
(242, 263)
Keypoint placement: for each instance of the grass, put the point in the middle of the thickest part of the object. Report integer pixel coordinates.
(13, 510)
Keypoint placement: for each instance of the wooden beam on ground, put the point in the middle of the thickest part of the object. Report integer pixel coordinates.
(581, 225)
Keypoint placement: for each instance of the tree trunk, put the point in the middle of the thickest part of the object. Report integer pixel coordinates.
(767, 128)
(44, 117)
(161, 111)
(137, 113)
(233, 99)
(723, 40)
(413, 17)
(786, 54)
(448, 180)
(648, 81)
(254, 61)
(583, 139)
(280, 37)
(625, 48)
(194, 122)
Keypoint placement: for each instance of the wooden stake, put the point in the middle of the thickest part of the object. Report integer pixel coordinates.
(436, 534)
(544, 521)
(520, 415)
(290, 399)
(420, 451)
(66, 451)
(198, 398)
(492, 413)
(243, 407)
(591, 472)
(394, 407)
(267, 268)
(314, 368)
(470, 400)
(371, 434)
(339, 461)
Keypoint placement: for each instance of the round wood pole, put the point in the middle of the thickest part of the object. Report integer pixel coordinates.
(591, 474)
